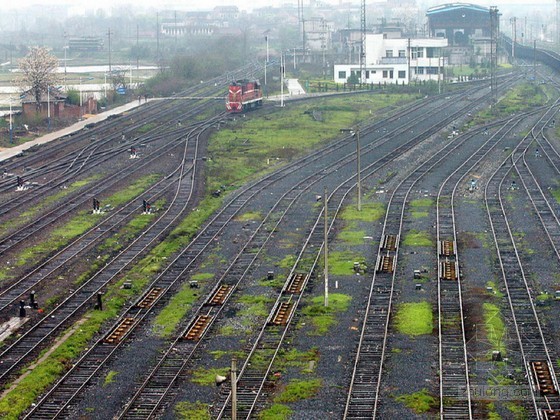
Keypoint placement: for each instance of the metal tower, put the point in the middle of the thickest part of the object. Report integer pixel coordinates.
(494, 29)
(363, 41)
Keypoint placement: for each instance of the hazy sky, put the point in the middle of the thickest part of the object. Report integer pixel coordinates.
(81, 6)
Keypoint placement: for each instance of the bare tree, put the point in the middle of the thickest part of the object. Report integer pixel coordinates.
(38, 72)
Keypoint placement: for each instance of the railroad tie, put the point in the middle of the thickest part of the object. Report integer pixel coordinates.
(385, 264)
(197, 329)
(543, 378)
(120, 330)
(296, 282)
(448, 270)
(282, 314)
(221, 294)
(389, 243)
(150, 297)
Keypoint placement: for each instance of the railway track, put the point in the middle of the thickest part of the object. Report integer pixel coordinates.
(363, 396)
(454, 382)
(37, 335)
(160, 288)
(536, 356)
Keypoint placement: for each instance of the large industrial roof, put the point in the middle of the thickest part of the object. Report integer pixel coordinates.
(449, 7)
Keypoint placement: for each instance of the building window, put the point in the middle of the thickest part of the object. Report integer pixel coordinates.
(417, 52)
(342, 75)
(391, 75)
(402, 74)
(367, 74)
(431, 70)
(402, 53)
(432, 52)
(385, 73)
(389, 53)
(420, 70)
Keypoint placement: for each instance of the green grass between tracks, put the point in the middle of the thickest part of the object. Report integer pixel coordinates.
(235, 156)
(494, 326)
(414, 318)
(419, 402)
(240, 151)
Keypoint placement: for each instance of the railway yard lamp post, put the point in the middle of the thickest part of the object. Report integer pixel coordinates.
(233, 389)
(11, 124)
(49, 107)
(326, 249)
(356, 133)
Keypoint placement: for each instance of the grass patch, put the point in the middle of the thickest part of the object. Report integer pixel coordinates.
(495, 290)
(249, 216)
(517, 410)
(352, 237)
(370, 212)
(254, 145)
(323, 317)
(186, 410)
(417, 238)
(494, 326)
(166, 322)
(420, 207)
(276, 412)
(298, 389)
(253, 306)
(341, 263)
(419, 402)
(298, 359)
(81, 223)
(207, 377)
(421, 202)
(110, 378)
(414, 318)
(146, 127)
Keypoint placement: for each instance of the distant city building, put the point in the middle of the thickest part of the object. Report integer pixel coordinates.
(85, 43)
(396, 60)
(467, 28)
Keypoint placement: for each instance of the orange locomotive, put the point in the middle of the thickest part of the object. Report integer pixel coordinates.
(244, 95)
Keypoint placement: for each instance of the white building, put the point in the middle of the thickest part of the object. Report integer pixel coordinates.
(397, 60)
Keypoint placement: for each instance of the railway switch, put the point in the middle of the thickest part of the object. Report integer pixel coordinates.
(96, 208)
(32, 301)
(99, 305)
(22, 312)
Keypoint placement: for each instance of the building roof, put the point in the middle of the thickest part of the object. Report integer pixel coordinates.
(451, 7)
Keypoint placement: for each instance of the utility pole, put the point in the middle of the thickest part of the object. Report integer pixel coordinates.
(493, 53)
(281, 80)
(234, 389)
(176, 31)
(11, 124)
(157, 37)
(109, 36)
(137, 48)
(557, 23)
(513, 21)
(326, 250)
(363, 41)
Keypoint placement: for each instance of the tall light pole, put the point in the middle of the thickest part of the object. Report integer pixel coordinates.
(233, 388)
(11, 124)
(49, 107)
(326, 250)
(109, 35)
(266, 63)
(282, 79)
